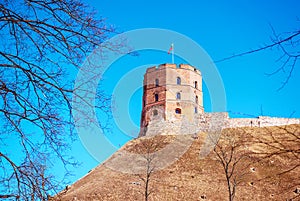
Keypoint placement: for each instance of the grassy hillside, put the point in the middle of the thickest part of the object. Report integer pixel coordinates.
(265, 164)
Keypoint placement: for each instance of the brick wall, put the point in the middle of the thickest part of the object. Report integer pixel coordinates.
(162, 83)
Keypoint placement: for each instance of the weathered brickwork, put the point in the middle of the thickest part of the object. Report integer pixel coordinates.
(171, 91)
(165, 113)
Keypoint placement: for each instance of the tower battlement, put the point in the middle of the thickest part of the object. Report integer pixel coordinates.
(166, 65)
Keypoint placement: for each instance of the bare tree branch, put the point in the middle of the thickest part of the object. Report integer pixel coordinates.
(43, 45)
(275, 43)
(288, 44)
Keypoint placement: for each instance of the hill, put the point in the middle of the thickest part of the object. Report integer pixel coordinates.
(261, 164)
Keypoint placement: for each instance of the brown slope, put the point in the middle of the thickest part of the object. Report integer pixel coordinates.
(270, 170)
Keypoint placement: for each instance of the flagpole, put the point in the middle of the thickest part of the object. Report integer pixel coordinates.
(171, 50)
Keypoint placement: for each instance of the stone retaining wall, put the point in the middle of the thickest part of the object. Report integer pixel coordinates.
(209, 122)
(261, 121)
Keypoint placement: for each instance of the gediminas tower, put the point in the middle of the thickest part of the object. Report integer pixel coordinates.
(171, 91)
(173, 104)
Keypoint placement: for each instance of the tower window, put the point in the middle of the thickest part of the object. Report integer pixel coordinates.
(196, 99)
(155, 112)
(196, 84)
(178, 96)
(178, 111)
(144, 103)
(156, 82)
(156, 97)
(178, 80)
(196, 110)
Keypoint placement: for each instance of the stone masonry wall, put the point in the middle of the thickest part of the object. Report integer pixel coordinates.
(210, 122)
(261, 121)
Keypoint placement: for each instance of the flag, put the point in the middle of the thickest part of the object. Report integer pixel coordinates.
(171, 48)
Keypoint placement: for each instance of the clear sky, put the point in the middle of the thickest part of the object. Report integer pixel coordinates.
(222, 28)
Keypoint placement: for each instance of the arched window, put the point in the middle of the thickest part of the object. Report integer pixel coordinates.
(156, 82)
(196, 84)
(196, 110)
(196, 99)
(178, 96)
(155, 112)
(156, 97)
(178, 81)
(178, 111)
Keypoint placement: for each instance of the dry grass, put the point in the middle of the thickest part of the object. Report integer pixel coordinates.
(148, 145)
(272, 167)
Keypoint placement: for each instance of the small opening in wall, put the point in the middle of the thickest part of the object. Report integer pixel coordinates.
(155, 112)
(156, 97)
(196, 84)
(178, 81)
(196, 99)
(195, 69)
(178, 111)
(178, 96)
(196, 110)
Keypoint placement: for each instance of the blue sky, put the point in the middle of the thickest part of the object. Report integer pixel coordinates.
(222, 28)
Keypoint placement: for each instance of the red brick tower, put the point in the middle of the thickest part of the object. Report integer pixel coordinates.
(171, 92)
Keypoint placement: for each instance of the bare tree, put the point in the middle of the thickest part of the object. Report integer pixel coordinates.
(276, 148)
(288, 44)
(147, 147)
(281, 143)
(230, 153)
(43, 44)
(148, 173)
